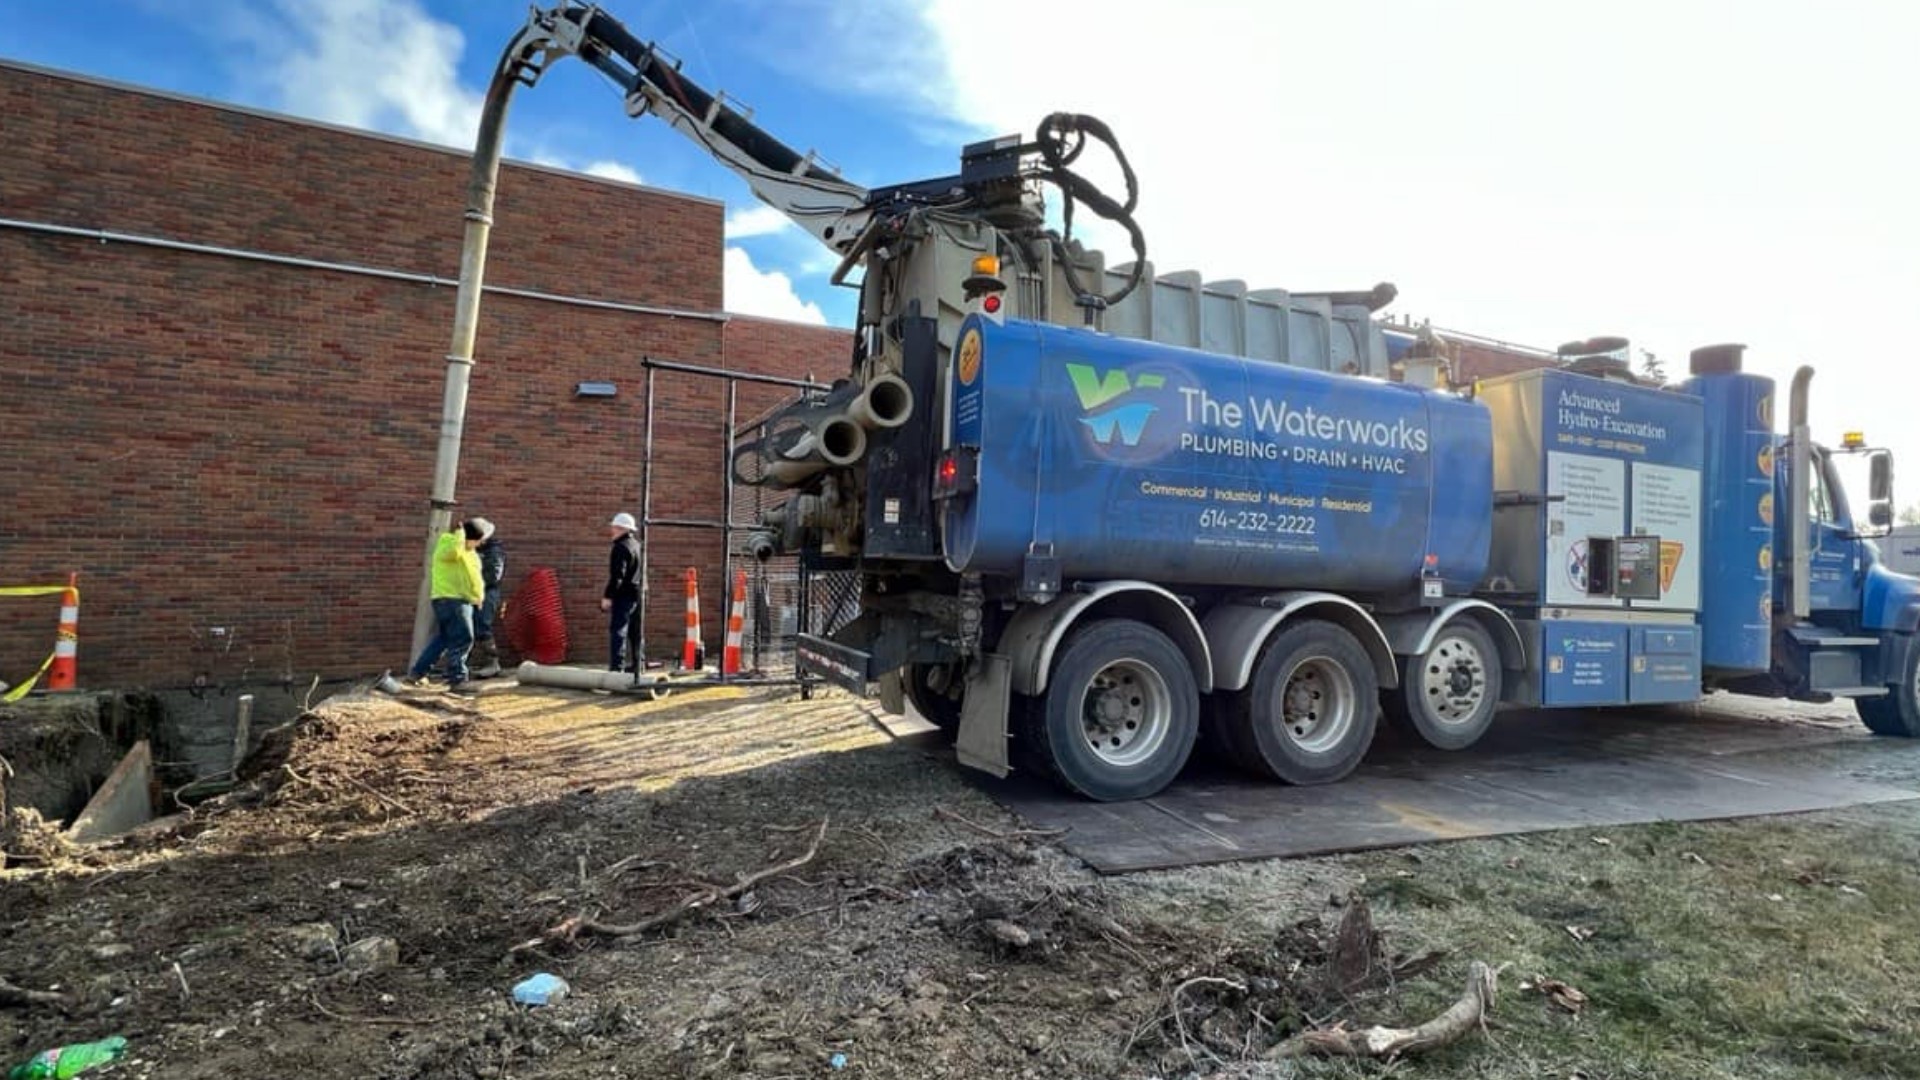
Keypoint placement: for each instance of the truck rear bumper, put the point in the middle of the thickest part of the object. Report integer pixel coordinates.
(848, 668)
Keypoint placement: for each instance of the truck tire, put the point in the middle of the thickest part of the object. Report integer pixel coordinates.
(1308, 714)
(1120, 713)
(1448, 694)
(1898, 713)
(939, 707)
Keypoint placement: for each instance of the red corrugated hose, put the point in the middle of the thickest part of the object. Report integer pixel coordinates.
(536, 621)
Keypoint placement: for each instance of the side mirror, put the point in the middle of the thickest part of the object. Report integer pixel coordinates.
(1879, 492)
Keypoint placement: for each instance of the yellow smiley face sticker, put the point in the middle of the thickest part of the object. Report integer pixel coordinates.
(1766, 508)
(1766, 461)
(969, 362)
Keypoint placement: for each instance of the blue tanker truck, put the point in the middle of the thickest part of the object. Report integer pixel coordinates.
(1098, 513)
(1142, 546)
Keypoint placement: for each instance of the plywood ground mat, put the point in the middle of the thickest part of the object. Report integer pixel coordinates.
(1536, 770)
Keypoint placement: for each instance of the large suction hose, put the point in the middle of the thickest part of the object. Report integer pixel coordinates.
(885, 402)
(836, 435)
(840, 440)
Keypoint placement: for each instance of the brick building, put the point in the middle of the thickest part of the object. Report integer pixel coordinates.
(221, 335)
(1469, 357)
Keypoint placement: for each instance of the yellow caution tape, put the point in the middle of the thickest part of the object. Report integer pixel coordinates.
(33, 590)
(20, 691)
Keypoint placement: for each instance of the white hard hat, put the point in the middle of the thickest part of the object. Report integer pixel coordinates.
(624, 520)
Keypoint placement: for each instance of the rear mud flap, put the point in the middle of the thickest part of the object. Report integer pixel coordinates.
(983, 716)
(893, 692)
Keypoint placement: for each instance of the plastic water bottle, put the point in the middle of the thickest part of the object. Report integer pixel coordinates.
(542, 989)
(70, 1061)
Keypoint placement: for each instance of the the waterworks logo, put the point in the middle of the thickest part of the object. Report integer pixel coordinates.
(1096, 390)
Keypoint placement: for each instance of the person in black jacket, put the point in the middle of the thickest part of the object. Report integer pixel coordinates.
(493, 571)
(621, 600)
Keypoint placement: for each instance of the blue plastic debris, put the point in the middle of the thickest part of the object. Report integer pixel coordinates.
(541, 989)
(838, 1061)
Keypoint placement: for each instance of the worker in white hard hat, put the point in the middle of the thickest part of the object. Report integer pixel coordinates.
(621, 600)
(493, 574)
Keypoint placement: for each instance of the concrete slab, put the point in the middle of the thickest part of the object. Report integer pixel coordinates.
(1536, 770)
(123, 803)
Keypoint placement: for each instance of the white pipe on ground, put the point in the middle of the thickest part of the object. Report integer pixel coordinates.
(572, 678)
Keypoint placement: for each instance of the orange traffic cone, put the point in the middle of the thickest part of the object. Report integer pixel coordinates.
(736, 624)
(694, 655)
(63, 676)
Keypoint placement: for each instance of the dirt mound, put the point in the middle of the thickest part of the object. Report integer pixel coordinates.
(733, 885)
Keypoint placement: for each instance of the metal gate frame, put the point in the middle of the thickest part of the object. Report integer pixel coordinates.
(726, 525)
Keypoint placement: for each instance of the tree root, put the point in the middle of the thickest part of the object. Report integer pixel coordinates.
(1463, 1017)
(996, 834)
(569, 929)
(20, 996)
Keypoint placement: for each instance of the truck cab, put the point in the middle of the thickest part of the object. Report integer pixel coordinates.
(1844, 623)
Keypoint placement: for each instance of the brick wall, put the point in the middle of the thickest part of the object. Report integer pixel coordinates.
(1475, 360)
(236, 455)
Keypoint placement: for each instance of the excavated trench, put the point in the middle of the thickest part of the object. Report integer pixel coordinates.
(58, 749)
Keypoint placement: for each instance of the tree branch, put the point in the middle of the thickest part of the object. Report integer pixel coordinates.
(569, 929)
(21, 997)
(1463, 1017)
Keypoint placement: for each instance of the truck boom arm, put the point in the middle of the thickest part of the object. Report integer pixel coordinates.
(818, 199)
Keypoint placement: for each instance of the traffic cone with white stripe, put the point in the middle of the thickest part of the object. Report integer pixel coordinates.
(63, 676)
(736, 626)
(695, 654)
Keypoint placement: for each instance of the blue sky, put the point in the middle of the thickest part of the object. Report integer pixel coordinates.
(1676, 171)
(417, 68)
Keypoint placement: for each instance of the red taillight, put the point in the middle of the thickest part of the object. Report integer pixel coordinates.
(957, 473)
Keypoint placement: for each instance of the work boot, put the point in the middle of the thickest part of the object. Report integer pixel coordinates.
(489, 659)
(464, 689)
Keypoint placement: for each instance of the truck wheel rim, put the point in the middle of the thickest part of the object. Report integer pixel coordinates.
(1317, 705)
(1125, 713)
(1453, 680)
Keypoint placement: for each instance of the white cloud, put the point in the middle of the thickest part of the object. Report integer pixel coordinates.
(384, 65)
(1681, 174)
(605, 168)
(756, 221)
(768, 293)
(613, 170)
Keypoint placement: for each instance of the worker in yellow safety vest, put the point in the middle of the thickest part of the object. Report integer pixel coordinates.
(457, 587)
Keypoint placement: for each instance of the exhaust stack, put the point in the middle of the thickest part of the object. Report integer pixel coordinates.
(1800, 444)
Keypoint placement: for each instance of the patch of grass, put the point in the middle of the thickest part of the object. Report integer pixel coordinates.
(1785, 947)
(1407, 892)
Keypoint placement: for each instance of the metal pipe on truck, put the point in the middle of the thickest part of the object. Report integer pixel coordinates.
(1800, 442)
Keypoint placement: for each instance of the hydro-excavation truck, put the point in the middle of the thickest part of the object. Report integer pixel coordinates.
(1099, 514)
